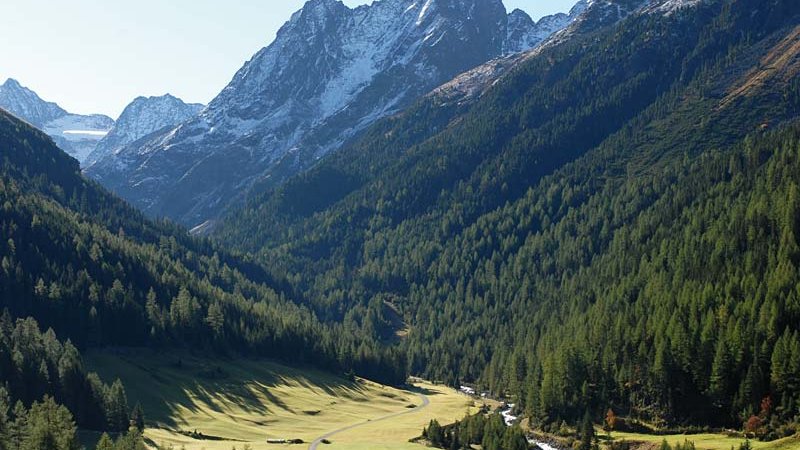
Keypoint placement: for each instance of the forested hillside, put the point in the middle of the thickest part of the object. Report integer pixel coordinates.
(84, 263)
(35, 364)
(597, 230)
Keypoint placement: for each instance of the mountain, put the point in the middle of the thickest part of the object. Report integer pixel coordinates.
(612, 223)
(76, 134)
(24, 103)
(585, 17)
(523, 34)
(330, 73)
(143, 116)
(83, 262)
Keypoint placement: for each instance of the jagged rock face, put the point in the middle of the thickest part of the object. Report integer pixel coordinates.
(331, 72)
(143, 116)
(25, 104)
(670, 6)
(74, 133)
(524, 34)
(596, 14)
(585, 17)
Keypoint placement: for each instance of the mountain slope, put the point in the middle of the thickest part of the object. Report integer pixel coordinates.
(76, 134)
(143, 116)
(24, 103)
(81, 261)
(544, 239)
(331, 72)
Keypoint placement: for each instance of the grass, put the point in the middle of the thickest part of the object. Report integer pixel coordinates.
(446, 406)
(238, 402)
(708, 441)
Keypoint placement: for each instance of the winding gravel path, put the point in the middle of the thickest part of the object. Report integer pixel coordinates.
(425, 402)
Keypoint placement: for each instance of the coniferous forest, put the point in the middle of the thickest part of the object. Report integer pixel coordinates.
(611, 226)
(96, 273)
(614, 225)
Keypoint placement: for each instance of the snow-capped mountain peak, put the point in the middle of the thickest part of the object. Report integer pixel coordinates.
(331, 72)
(143, 116)
(27, 105)
(74, 133)
(524, 33)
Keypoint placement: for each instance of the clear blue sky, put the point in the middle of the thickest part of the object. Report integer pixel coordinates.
(95, 56)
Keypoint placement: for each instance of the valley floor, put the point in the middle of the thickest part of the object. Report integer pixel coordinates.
(708, 441)
(214, 404)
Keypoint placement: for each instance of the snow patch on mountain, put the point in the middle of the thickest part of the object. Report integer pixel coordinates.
(27, 105)
(525, 34)
(75, 134)
(331, 72)
(668, 7)
(143, 116)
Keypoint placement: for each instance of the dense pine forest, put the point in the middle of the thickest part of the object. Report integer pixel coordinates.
(84, 263)
(93, 272)
(45, 394)
(611, 226)
(35, 364)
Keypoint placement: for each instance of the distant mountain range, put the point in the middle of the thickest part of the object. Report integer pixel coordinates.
(331, 72)
(74, 133)
(89, 137)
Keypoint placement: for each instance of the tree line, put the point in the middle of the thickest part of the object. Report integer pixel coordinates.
(35, 364)
(47, 425)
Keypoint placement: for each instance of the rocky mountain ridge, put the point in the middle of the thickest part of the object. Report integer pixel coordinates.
(331, 72)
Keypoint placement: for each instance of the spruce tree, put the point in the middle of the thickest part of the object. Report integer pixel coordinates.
(18, 426)
(105, 443)
(137, 417)
(49, 427)
(4, 405)
(587, 432)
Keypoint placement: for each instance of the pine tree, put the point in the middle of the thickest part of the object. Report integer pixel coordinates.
(4, 426)
(137, 417)
(18, 426)
(586, 432)
(105, 443)
(435, 434)
(720, 373)
(215, 318)
(132, 440)
(49, 427)
(117, 407)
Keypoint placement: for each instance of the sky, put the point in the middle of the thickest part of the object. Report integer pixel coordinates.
(95, 56)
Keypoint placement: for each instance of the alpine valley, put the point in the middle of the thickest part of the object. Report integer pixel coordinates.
(421, 223)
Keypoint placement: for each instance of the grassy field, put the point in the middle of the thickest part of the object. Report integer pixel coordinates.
(238, 402)
(708, 441)
(446, 406)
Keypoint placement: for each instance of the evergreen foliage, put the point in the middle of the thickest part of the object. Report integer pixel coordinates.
(612, 225)
(84, 263)
(35, 364)
(488, 431)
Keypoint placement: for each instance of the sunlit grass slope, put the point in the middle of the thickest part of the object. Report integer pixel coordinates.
(710, 441)
(237, 402)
